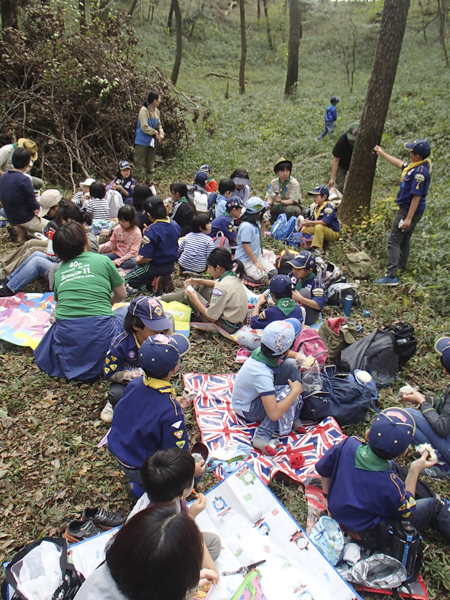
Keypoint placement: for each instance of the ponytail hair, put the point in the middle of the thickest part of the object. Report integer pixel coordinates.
(220, 257)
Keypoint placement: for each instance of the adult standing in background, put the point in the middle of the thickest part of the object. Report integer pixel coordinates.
(342, 155)
(148, 130)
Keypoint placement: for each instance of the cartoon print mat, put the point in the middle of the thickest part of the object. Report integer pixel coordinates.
(24, 318)
(220, 426)
(254, 526)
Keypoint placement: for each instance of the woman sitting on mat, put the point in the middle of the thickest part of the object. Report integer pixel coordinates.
(222, 301)
(86, 287)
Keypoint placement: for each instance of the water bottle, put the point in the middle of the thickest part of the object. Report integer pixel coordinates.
(348, 301)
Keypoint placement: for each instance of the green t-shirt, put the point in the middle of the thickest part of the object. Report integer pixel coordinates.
(83, 286)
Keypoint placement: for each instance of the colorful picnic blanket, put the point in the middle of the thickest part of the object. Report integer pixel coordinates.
(24, 318)
(220, 427)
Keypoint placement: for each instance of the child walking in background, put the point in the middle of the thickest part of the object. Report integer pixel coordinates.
(196, 246)
(123, 246)
(330, 118)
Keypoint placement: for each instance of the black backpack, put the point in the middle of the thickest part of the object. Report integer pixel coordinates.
(70, 577)
(407, 342)
(337, 292)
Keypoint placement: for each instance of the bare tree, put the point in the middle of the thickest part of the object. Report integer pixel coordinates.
(347, 42)
(443, 10)
(9, 14)
(266, 17)
(295, 29)
(258, 8)
(356, 202)
(243, 48)
(179, 51)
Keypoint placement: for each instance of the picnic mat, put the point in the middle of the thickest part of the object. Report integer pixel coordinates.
(221, 427)
(24, 318)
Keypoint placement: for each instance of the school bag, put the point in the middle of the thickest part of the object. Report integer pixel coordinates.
(336, 342)
(407, 342)
(282, 228)
(337, 292)
(310, 343)
(199, 197)
(328, 273)
(221, 241)
(358, 265)
(282, 263)
(346, 401)
(378, 353)
(42, 562)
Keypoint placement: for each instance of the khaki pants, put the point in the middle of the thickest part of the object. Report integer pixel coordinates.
(321, 233)
(36, 225)
(14, 259)
(144, 159)
(290, 210)
(340, 179)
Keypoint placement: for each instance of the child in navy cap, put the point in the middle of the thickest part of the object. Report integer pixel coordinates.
(148, 417)
(364, 493)
(308, 290)
(411, 201)
(325, 225)
(225, 224)
(281, 306)
(145, 317)
(432, 416)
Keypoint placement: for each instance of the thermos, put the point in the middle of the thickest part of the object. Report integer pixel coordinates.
(348, 301)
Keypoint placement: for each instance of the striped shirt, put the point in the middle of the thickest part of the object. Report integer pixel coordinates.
(195, 249)
(99, 208)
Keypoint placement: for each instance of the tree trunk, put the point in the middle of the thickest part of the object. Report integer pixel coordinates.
(269, 34)
(132, 7)
(243, 48)
(443, 8)
(293, 45)
(9, 14)
(258, 9)
(82, 11)
(179, 52)
(170, 17)
(355, 205)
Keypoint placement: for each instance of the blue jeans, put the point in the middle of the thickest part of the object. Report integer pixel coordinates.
(288, 370)
(329, 128)
(425, 434)
(36, 264)
(128, 264)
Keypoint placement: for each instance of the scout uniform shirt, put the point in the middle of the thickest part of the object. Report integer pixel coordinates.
(415, 182)
(228, 299)
(327, 214)
(311, 282)
(122, 355)
(225, 225)
(160, 241)
(285, 308)
(289, 190)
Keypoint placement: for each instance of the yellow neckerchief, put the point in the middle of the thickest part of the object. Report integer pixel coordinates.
(136, 340)
(416, 164)
(319, 208)
(167, 220)
(161, 385)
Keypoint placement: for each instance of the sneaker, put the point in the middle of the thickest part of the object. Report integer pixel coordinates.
(5, 292)
(131, 291)
(103, 518)
(107, 413)
(386, 280)
(435, 473)
(267, 447)
(76, 531)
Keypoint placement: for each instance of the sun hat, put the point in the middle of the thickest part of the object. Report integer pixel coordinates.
(30, 146)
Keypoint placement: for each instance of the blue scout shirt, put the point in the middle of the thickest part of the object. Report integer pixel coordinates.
(330, 114)
(360, 498)
(415, 183)
(312, 282)
(248, 234)
(160, 241)
(146, 419)
(128, 185)
(327, 214)
(221, 205)
(122, 355)
(225, 225)
(283, 309)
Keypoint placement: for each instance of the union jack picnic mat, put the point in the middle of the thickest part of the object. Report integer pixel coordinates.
(220, 426)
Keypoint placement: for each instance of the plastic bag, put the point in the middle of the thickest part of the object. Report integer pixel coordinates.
(378, 571)
(311, 378)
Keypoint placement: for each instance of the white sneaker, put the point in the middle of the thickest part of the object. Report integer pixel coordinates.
(107, 413)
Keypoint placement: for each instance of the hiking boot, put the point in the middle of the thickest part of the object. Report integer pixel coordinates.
(267, 446)
(76, 531)
(107, 413)
(5, 291)
(386, 280)
(103, 518)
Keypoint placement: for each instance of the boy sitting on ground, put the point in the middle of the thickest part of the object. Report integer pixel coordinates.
(145, 317)
(364, 493)
(225, 223)
(226, 189)
(308, 290)
(168, 477)
(281, 307)
(325, 226)
(256, 385)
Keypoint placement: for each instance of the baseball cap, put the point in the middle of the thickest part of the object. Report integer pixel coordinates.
(201, 177)
(151, 313)
(296, 324)
(279, 284)
(47, 200)
(124, 164)
(442, 347)
(233, 202)
(392, 431)
(320, 189)
(255, 205)
(278, 336)
(159, 354)
(352, 132)
(89, 181)
(305, 260)
(30, 146)
(421, 147)
(205, 167)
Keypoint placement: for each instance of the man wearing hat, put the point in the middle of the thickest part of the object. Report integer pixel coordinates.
(283, 193)
(148, 417)
(225, 224)
(325, 225)
(308, 290)
(432, 417)
(342, 156)
(7, 151)
(363, 492)
(411, 200)
(281, 304)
